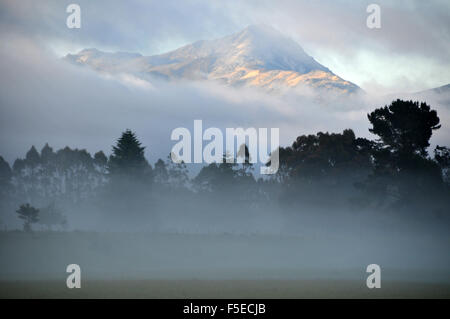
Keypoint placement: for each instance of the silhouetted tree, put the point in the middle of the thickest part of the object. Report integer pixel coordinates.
(5, 176)
(246, 166)
(404, 129)
(5, 186)
(404, 173)
(442, 157)
(101, 166)
(51, 216)
(76, 171)
(160, 174)
(32, 161)
(68, 174)
(323, 169)
(228, 182)
(177, 173)
(217, 177)
(127, 160)
(100, 159)
(29, 214)
(130, 178)
(48, 170)
(32, 157)
(47, 154)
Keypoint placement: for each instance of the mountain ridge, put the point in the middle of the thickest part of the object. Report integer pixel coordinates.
(257, 56)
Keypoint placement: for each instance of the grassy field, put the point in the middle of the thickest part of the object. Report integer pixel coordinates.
(220, 289)
(146, 265)
(161, 289)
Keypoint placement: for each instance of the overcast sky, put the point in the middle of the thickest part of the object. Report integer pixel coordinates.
(44, 100)
(410, 52)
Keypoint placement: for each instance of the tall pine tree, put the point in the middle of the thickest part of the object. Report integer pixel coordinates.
(127, 160)
(130, 178)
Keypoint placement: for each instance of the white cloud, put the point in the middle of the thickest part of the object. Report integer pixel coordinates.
(44, 100)
(333, 31)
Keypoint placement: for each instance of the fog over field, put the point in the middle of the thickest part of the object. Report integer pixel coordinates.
(87, 176)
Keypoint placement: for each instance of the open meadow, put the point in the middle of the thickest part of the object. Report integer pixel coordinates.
(151, 265)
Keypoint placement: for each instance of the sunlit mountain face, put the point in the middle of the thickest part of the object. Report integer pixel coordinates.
(258, 56)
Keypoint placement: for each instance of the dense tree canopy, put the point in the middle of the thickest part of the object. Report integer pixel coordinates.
(326, 170)
(404, 172)
(404, 128)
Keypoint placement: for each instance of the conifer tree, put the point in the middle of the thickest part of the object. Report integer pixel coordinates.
(128, 158)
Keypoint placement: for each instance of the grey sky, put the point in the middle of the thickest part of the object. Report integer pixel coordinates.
(410, 52)
(43, 99)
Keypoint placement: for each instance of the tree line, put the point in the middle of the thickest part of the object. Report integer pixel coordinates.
(325, 171)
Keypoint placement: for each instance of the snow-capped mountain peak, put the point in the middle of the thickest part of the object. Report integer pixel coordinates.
(258, 56)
